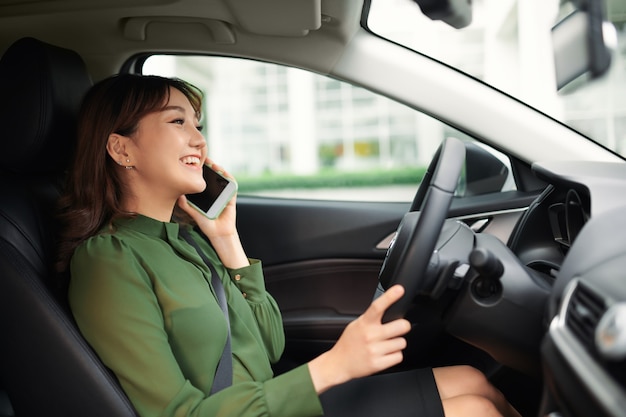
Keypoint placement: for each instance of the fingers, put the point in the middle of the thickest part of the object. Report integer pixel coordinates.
(391, 353)
(391, 346)
(184, 204)
(381, 304)
(217, 168)
(374, 314)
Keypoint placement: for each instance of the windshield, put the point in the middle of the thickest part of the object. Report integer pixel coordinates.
(508, 45)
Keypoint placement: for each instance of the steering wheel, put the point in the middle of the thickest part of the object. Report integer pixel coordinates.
(410, 252)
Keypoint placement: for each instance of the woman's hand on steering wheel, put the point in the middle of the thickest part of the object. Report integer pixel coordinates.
(366, 346)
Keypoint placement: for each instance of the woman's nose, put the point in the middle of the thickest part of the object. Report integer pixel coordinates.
(197, 139)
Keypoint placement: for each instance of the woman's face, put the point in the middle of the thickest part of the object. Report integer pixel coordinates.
(167, 151)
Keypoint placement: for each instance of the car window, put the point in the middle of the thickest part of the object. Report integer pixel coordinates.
(286, 132)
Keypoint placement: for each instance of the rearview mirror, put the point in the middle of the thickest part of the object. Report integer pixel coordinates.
(583, 43)
(456, 13)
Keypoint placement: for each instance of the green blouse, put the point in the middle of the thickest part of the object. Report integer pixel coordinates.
(142, 298)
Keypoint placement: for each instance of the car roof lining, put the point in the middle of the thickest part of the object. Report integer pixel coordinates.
(227, 27)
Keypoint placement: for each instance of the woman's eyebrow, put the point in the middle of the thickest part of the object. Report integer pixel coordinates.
(175, 108)
(179, 109)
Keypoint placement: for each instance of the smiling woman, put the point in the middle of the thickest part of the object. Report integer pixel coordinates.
(162, 284)
(330, 99)
(89, 206)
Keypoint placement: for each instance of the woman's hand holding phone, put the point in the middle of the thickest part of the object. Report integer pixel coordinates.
(220, 189)
(221, 231)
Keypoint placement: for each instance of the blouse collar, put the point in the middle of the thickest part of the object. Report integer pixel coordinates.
(148, 226)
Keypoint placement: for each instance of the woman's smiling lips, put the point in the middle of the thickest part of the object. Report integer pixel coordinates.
(191, 161)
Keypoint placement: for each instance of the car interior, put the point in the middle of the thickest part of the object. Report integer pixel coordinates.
(523, 284)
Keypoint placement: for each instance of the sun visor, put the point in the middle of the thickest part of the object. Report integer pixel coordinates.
(277, 17)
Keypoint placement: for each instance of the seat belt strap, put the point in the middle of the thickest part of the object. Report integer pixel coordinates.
(224, 372)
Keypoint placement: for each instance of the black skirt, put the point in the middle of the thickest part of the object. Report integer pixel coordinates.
(402, 394)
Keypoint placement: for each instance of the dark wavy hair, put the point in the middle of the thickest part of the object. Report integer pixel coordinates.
(93, 192)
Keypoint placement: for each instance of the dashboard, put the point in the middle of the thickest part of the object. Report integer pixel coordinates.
(583, 352)
(558, 309)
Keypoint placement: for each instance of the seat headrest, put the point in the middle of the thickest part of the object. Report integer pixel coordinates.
(41, 86)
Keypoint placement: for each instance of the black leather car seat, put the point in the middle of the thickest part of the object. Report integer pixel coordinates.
(46, 367)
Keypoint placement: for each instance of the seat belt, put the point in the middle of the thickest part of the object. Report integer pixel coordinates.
(224, 372)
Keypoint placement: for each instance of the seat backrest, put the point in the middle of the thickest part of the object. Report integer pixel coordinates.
(46, 367)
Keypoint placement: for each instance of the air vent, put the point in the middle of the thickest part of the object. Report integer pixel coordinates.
(584, 311)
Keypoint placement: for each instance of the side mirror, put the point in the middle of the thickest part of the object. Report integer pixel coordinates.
(484, 172)
(583, 43)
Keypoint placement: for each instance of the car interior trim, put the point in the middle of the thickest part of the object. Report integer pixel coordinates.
(595, 379)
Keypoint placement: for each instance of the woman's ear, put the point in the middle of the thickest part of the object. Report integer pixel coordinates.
(116, 147)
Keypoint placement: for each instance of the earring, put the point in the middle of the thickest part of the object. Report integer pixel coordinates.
(125, 166)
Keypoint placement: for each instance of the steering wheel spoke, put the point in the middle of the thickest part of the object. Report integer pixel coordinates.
(408, 260)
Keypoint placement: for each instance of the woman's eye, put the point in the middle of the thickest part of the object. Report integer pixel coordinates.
(178, 121)
(200, 128)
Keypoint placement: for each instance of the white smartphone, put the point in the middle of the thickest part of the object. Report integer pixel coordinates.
(219, 191)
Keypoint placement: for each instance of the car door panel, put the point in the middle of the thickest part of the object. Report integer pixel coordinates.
(279, 231)
(318, 298)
